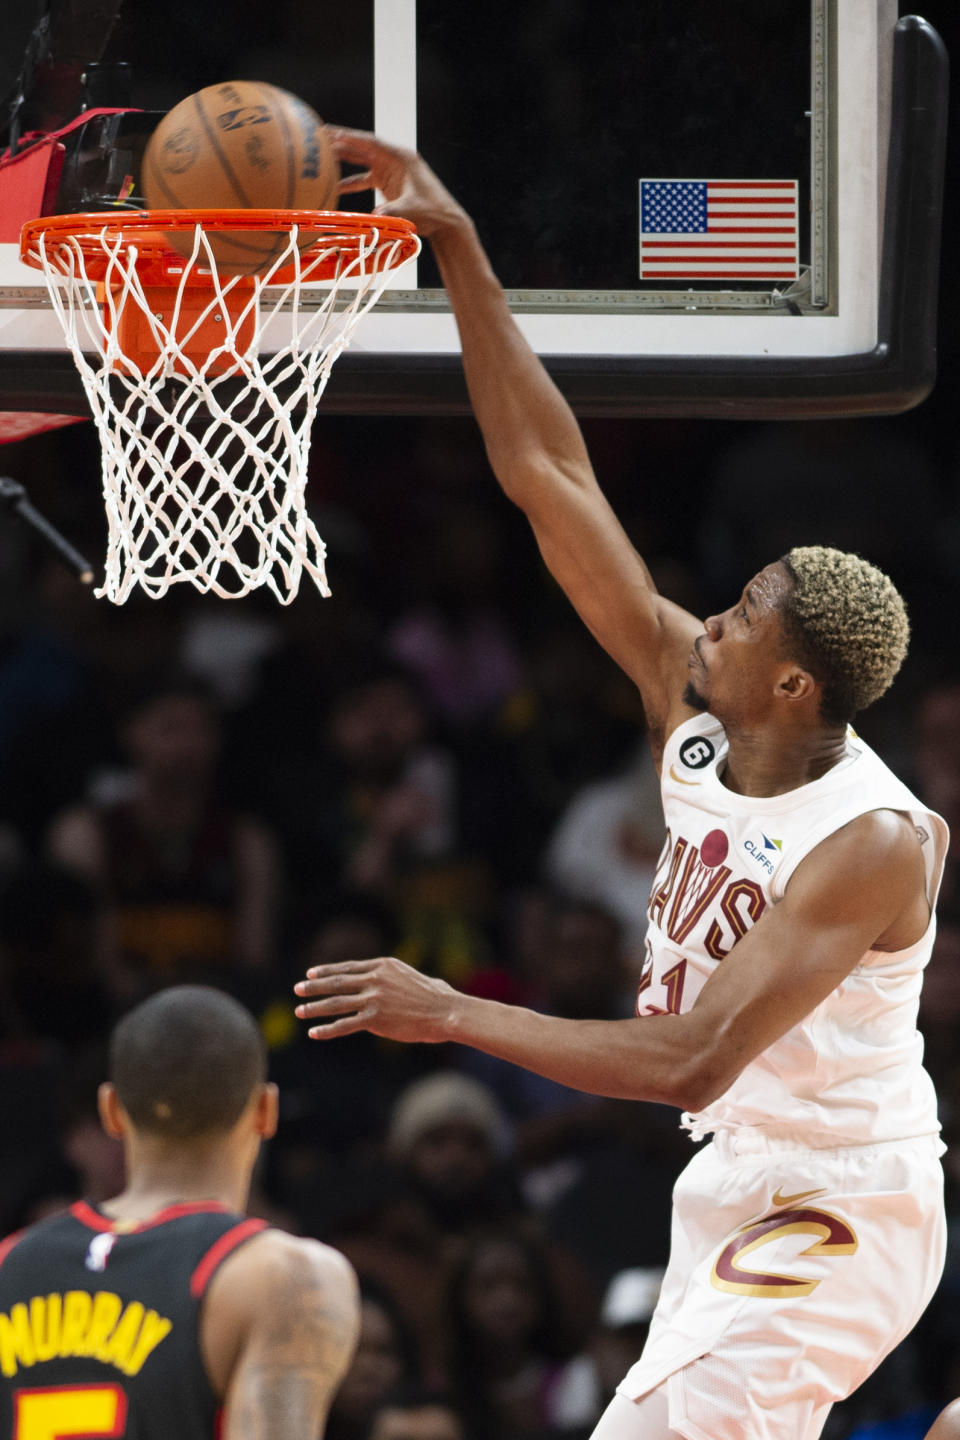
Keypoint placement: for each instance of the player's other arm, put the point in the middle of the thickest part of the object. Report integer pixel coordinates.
(534, 442)
(279, 1330)
(860, 889)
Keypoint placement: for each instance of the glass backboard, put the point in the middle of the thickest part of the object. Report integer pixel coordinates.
(597, 147)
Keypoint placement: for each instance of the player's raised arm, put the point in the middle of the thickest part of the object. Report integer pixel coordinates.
(533, 441)
(279, 1331)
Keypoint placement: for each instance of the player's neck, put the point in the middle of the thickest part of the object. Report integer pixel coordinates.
(764, 763)
(159, 1179)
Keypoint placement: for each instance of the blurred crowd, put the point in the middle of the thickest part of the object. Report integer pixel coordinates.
(437, 763)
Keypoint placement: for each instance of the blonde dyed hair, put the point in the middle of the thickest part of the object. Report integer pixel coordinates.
(849, 623)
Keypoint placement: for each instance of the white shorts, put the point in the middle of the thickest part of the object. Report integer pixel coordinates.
(792, 1274)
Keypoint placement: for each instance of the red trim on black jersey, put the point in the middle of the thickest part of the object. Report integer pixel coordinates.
(88, 1215)
(218, 1251)
(174, 1212)
(7, 1245)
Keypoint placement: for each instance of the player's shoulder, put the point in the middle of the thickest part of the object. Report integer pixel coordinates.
(41, 1234)
(874, 857)
(282, 1296)
(279, 1285)
(274, 1268)
(881, 836)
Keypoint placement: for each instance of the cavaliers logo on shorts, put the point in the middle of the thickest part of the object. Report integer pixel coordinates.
(733, 1273)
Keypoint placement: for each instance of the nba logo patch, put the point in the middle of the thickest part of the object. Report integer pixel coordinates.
(99, 1251)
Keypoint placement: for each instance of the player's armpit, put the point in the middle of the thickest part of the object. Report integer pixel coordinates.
(279, 1332)
(861, 889)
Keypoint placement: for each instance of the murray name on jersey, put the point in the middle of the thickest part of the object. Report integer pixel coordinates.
(74, 1324)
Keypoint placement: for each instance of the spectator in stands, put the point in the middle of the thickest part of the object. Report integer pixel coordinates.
(51, 985)
(936, 765)
(189, 887)
(506, 1336)
(577, 970)
(587, 1383)
(449, 1139)
(343, 1106)
(417, 1415)
(385, 1360)
(606, 844)
(374, 807)
(455, 636)
(576, 720)
(371, 796)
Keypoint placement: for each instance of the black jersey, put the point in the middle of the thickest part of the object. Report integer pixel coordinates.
(99, 1324)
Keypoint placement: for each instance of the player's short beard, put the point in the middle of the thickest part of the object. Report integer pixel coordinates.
(693, 698)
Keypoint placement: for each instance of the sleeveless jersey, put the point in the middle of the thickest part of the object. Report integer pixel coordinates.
(99, 1324)
(851, 1072)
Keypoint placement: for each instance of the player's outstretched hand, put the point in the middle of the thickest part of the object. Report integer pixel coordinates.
(412, 190)
(384, 996)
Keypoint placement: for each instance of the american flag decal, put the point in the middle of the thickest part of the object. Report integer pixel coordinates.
(719, 230)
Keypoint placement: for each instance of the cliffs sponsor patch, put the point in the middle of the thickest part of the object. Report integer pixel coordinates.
(765, 851)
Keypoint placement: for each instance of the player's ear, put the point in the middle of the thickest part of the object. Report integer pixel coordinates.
(267, 1110)
(112, 1115)
(796, 683)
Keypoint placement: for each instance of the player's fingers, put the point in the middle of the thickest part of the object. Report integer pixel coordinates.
(321, 979)
(360, 147)
(334, 1004)
(346, 135)
(346, 1025)
(349, 184)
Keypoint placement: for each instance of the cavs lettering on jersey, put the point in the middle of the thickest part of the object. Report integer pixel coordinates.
(851, 1073)
(99, 1324)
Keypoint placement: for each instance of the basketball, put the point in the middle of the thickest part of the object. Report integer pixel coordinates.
(240, 145)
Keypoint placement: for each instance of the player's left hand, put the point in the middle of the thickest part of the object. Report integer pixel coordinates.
(384, 996)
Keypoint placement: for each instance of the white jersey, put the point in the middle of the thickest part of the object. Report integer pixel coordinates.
(851, 1072)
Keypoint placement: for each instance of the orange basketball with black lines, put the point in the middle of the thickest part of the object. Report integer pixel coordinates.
(240, 145)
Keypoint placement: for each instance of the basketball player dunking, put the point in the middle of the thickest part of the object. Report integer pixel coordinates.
(790, 920)
(166, 1312)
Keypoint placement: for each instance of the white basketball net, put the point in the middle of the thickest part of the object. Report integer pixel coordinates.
(204, 474)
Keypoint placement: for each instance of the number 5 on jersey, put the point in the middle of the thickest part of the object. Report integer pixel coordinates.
(56, 1412)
